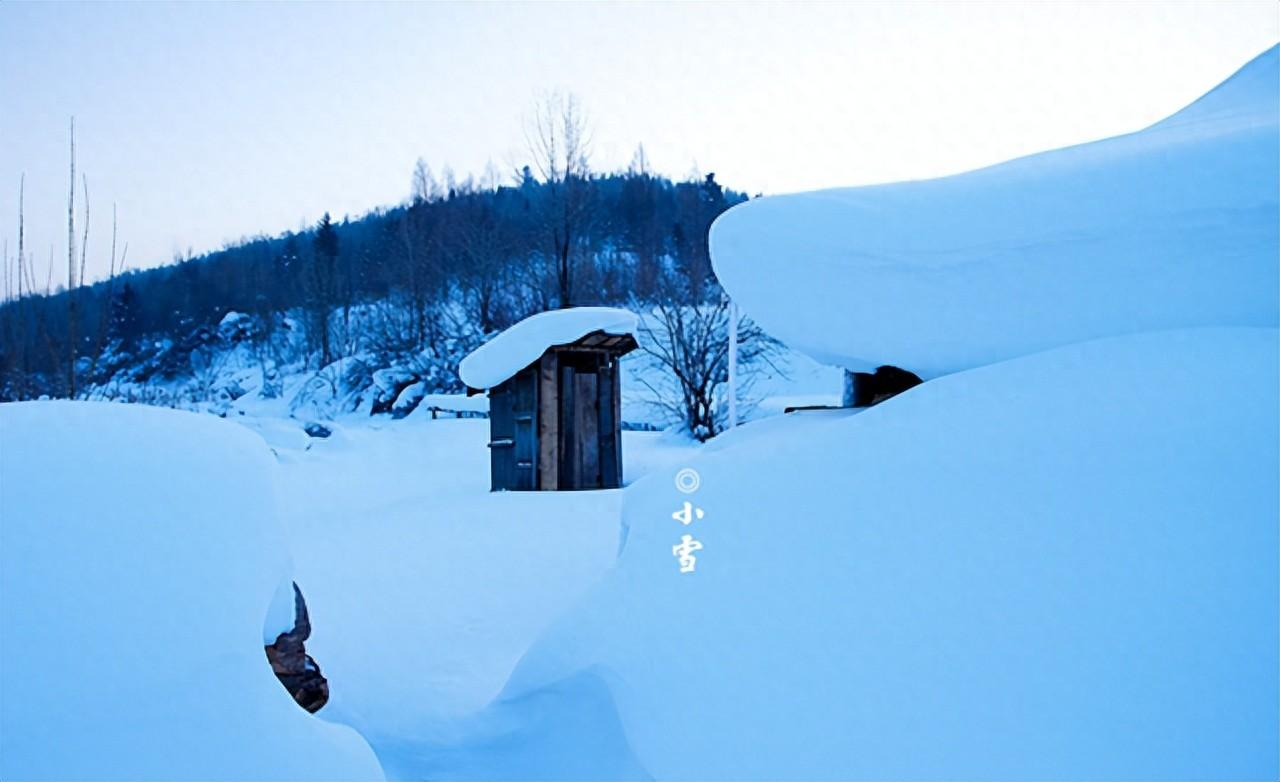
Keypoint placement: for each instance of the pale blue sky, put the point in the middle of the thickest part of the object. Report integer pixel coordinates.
(209, 122)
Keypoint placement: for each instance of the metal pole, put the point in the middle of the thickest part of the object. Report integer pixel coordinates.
(733, 364)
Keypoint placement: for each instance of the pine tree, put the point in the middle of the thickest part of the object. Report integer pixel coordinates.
(325, 294)
(126, 317)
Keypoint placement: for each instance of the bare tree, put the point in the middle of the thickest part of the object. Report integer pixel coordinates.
(690, 343)
(425, 189)
(559, 140)
(71, 272)
(482, 242)
(22, 362)
(104, 310)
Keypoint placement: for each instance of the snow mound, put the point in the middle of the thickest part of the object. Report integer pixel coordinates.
(138, 556)
(1174, 226)
(1008, 573)
(519, 346)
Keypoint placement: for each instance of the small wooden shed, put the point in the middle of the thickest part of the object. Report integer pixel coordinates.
(555, 423)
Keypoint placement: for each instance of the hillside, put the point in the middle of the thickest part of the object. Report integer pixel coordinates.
(374, 305)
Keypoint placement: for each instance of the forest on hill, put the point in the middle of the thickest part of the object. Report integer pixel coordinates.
(411, 287)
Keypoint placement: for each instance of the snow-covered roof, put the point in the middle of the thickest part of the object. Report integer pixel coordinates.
(519, 346)
(1170, 227)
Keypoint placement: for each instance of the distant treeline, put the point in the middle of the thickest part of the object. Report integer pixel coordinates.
(485, 254)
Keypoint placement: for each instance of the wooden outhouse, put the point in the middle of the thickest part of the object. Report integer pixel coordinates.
(556, 423)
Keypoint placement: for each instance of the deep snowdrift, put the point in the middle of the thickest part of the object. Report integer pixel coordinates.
(1058, 567)
(1174, 226)
(138, 555)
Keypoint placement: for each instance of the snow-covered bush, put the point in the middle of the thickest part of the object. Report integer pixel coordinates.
(337, 389)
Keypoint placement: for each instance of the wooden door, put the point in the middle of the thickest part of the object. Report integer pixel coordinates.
(502, 437)
(587, 428)
(524, 408)
(567, 434)
(579, 413)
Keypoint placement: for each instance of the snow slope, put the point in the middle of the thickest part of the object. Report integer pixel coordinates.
(139, 552)
(424, 587)
(522, 344)
(1173, 226)
(1058, 567)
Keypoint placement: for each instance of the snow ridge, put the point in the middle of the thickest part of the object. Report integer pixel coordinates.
(1170, 227)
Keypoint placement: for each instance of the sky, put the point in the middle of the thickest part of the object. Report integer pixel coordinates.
(206, 123)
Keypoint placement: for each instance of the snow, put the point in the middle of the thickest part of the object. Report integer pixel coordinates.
(1055, 560)
(139, 552)
(1173, 226)
(281, 612)
(231, 320)
(519, 346)
(425, 588)
(1058, 567)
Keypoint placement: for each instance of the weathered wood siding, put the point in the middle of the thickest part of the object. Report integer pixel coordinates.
(557, 423)
(525, 409)
(587, 428)
(512, 433)
(548, 424)
(502, 437)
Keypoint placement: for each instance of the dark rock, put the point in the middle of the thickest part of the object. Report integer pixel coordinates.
(317, 430)
(296, 669)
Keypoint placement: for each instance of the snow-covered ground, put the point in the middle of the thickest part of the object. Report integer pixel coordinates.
(1009, 573)
(139, 551)
(1056, 560)
(424, 587)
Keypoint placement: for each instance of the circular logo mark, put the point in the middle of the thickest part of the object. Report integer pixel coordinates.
(688, 480)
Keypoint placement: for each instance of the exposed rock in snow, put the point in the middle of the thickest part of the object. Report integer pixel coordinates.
(139, 552)
(291, 664)
(1173, 226)
(314, 429)
(519, 346)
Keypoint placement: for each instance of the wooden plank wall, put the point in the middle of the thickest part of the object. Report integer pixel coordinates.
(501, 437)
(562, 417)
(548, 424)
(616, 430)
(524, 412)
(568, 429)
